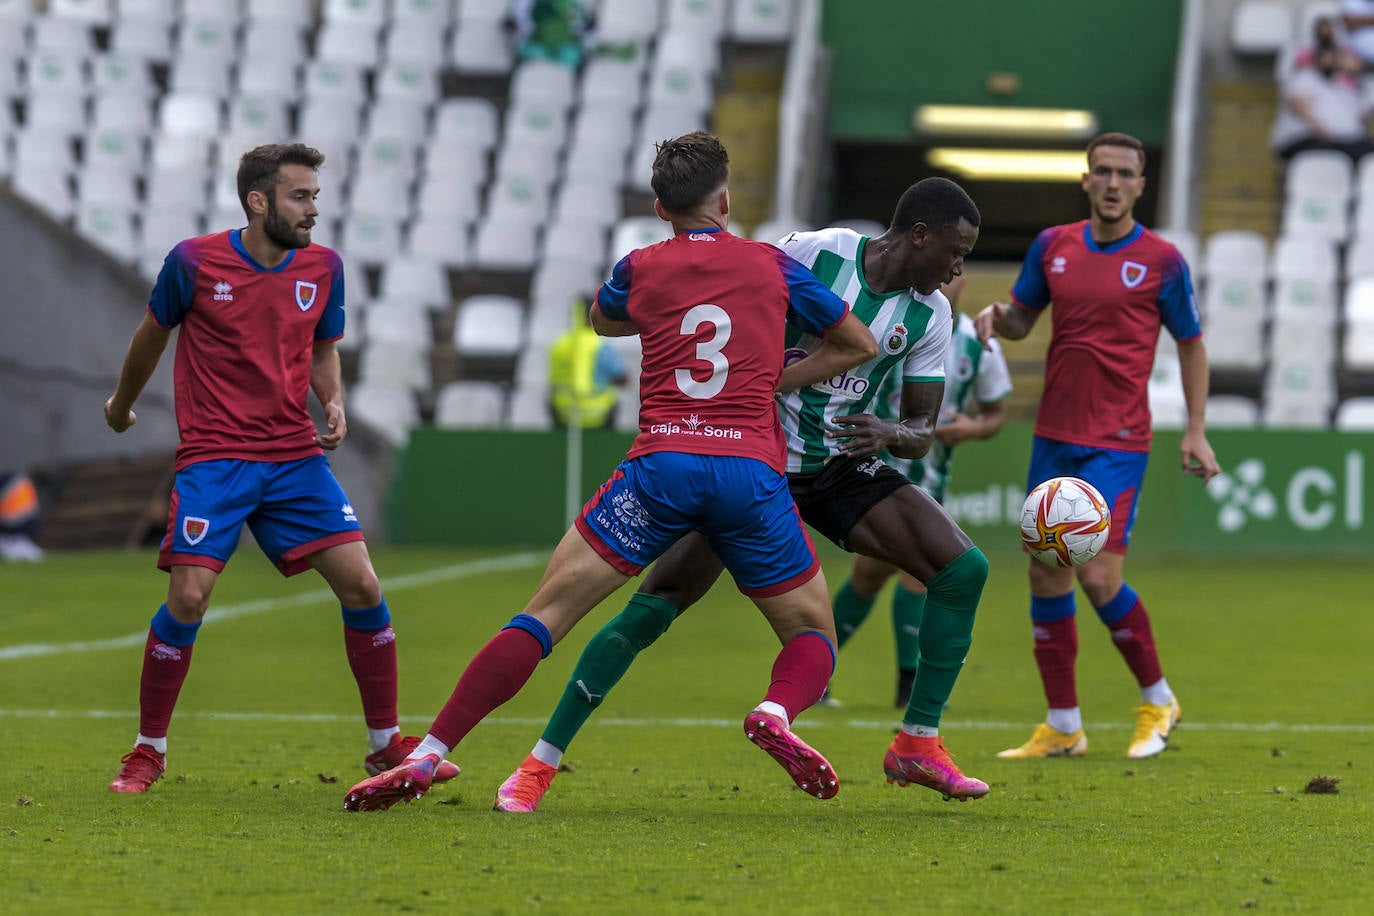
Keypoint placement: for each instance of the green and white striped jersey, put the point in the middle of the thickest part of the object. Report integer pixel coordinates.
(971, 374)
(912, 332)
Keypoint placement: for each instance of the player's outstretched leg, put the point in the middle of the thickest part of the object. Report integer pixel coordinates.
(395, 753)
(918, 755)
(800, 673)
(604, 661)
(406, 782)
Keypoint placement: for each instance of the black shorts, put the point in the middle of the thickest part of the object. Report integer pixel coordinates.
(833, 499)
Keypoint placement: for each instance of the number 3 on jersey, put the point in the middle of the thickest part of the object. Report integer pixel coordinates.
(708, 351)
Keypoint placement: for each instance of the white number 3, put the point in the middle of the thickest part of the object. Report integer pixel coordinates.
(708, 351)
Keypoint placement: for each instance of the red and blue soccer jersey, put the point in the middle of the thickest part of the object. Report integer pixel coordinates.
(1109, 304)
(244, 350)
(711, 309)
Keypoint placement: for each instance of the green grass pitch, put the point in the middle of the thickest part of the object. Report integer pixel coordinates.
(668, 808)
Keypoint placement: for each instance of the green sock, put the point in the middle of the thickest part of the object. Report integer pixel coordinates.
(604, 662)
(851, 609)
(908, 608)
(946, 634)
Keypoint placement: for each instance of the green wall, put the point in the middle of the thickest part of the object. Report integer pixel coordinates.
(1288, 492)
(889, 56)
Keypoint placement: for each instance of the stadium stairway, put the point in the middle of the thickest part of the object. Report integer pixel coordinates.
(746, 120)
(1240, 183)
(112, 504)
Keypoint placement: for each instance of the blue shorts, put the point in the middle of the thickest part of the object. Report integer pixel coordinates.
(741, 505)
(1118, 476)
(294, 509)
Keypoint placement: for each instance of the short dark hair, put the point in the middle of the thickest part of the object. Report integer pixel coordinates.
(1114, 138)
(937, 202)
(689, 169)
(259, 166)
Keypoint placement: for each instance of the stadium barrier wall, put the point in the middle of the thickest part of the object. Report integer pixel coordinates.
(1281, 491)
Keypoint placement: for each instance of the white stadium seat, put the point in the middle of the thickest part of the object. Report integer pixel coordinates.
(1261, 26)
(1356, 414)
(488, 326)
(388, 407)
(468, 403)
(761, 21)
(1232, 412)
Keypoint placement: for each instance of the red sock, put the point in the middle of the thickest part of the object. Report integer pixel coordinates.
(164, 671)
(372, 656)
(493, 676)
(800, 673)
(1136, 642)
(1056, 650)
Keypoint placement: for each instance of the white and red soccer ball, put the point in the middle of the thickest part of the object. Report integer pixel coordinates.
(1065, 522)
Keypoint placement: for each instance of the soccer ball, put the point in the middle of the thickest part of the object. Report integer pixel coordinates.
(1065, 522)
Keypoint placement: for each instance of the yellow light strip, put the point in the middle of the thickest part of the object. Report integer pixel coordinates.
(1010, 164)
(997, 121)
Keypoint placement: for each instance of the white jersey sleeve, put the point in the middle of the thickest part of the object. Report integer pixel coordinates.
(925, 361)
(993, 381)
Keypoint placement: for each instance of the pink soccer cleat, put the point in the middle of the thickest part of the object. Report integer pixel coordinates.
(809, 770)
(395, 753)
(522, 790)
(406, 782)
(142, 767)
(932, 767)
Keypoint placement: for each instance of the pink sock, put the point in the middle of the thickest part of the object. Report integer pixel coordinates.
(1056, 650)
(800, 673)
(493, 676)
(164, 671)
(372, 657)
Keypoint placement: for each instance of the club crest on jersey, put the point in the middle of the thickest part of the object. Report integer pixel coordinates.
(895, 342)
(194, 529)
(305, 294)
(1132, 273)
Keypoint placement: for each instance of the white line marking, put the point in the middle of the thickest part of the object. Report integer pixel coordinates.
(248, 608)
(970, 724)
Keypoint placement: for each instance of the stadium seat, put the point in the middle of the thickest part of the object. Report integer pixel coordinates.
(387, 407)
(506, 244)
(431, 14)
(1357, 346)
(113, 146)
(229, 12)
(489, 326)
(1320, 170)
(266, 40)
(636, 232)
(610, 83)
(392, 362)
(1185, 240)
(543, 81)
(1359, 257)
(480, 47)
(288, 12)
(1299, 393)
(574, 241)
(162, 10)
(452, 200)
(1236, 251)
(108, 184)
(1304, 257)
(626, 23)
(348, 41)
(48, 149)
(1356, 415)
(176, 188)
(1232, 412)
(417, 43)
(773, 230)
(109, 229)
(189, 115)
(470, 120)
(1233, 319)
(401, 322)
(534, 123)
(371, 237)
(358, 12)
(529, 408)
(761, 21)
(658, 122)
(164, 229)
(265, 117)
(57, 112)
(45, 187)
(127, 74)
(698, 17)
(339, 81)
(1261, 27)
(415, 281)
(1316, 213)
(142, 38)
(443, 239)
(1305, 299)
(469, 403)
(330, 126)
(53, 34)
(592, 204)
(91, 12)
(518, 199)
(483, 10)
(677, 85)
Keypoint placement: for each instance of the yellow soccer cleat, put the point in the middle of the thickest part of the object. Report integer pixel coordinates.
(1049, 742)
(1152, 726)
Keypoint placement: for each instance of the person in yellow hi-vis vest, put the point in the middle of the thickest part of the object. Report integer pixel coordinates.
(585, 373)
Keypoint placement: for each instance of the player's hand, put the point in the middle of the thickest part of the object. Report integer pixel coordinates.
(1198, 458)
(985, 322)
(336, 427)
(958, 427)
(118, 420)
(861, 434)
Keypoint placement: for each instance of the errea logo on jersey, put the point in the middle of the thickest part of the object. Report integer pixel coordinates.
(701, 237)
(223, 292)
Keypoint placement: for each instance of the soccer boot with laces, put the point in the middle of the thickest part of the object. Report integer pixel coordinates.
(809, 770)
(1047, 741)
(139, 769)
(522, 790)
(406, 782)
(395, 753)
(930, 765)
(1152, 726)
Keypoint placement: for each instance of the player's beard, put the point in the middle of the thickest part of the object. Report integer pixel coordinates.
(281, 232)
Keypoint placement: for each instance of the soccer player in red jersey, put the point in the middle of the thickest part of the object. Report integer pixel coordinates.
(1113, 283)
(710, 309)
(259, 310)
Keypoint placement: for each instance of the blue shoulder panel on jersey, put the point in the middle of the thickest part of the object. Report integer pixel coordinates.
(1177, 304)
(331, 323)
(813, 306)
(170, 299)
(613, 298)
(1032, 288)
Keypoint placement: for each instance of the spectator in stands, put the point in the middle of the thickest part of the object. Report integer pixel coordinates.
(585, 375)
(19, 518)
(551, 30)
(1321, 108)
(1324, 37)
(1358, 16)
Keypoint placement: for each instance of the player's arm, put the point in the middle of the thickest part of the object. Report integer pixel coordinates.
(846, 345)
(1030, 295)
(145, 351)
(326, 380)
(962, 427)
(609, 314)
(1008, 320)
(1197, 456)
(610, 327)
